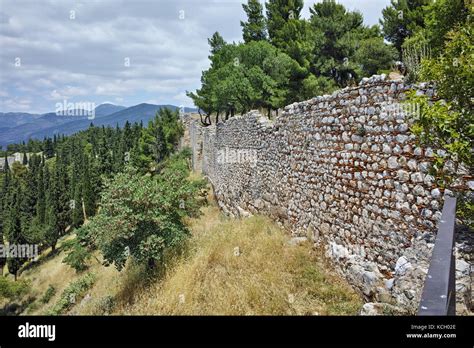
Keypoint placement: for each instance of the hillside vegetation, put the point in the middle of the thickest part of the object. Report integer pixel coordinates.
(235, 267)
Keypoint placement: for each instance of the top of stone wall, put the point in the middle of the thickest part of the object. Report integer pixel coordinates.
(380, 83)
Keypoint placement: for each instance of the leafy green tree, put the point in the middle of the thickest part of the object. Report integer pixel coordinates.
(448, 124)
(7, 166)
(79, 253)
(141, 216)
(246, 76)
(255, 27)
(441, 17)
(374, 55)
(269, 72)
(401, 19)
(40, 208)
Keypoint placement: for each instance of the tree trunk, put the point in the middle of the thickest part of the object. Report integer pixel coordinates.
(151, 263)
(84, 210)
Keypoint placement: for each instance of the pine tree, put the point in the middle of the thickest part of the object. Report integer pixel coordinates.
(403, 18)
(279, 12)
(255, 27)
(216, 42)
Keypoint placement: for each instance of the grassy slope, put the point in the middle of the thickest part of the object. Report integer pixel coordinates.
(270, 276)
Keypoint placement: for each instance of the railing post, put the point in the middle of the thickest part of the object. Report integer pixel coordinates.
(439, 292)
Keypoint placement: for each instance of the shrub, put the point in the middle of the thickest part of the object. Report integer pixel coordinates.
(77, 257)
(106, 305)
(13, 289)
(72, 293)
(48, 294)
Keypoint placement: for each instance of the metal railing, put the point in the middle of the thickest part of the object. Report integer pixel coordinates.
(439, 292)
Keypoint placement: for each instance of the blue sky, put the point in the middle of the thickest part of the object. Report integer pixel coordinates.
(119, 51)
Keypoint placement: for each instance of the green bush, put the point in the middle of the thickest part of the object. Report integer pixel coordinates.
(448, 123)
(48, 294)
(106, 305)
(78, 256)
(13, 289)
(72, 293)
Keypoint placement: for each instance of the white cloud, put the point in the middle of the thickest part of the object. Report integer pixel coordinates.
(83, 58)
(18, 104)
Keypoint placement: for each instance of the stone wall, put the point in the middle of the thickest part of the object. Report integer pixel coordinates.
(342, 170)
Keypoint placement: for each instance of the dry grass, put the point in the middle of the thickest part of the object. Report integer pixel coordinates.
(269, 277)
(53, 272)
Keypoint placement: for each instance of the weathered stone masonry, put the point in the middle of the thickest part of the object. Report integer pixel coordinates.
(343, 170)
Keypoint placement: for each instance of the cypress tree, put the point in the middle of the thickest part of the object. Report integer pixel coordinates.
(7, 166)
(48, 148)
(88, 191)
(52, 212)
(25, 158)
(4, 212)
(41, 200)
(13, 231)
(77, 213)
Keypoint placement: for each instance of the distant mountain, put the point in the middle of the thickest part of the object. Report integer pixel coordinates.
(105, 115)
(14, 119)
(108, 109)
(23, 131)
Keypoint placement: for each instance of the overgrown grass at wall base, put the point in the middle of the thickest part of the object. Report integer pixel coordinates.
(245, 267)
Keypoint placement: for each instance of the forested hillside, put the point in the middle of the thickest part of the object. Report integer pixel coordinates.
(61, 184)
